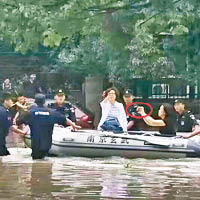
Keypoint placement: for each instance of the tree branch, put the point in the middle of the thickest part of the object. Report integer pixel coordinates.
(156, 14)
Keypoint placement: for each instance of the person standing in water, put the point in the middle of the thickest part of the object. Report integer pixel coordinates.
(41, 121)
(5, 122)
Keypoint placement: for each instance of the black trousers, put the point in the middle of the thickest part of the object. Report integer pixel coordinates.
(3, 149)
(37, 153)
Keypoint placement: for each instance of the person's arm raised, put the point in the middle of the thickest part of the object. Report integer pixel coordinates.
(21, 106)
(104, 102)
(150, 120)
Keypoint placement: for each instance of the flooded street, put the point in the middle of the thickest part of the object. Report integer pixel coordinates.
(81, 80)
(86, 178)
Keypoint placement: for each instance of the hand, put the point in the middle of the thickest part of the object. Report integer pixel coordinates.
(75, 127)
(14, 121)
(185, 136)
(196, 128)
(18, 130)
(140, 110)
(107, 98)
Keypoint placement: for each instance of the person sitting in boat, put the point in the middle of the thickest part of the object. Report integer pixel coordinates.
(65, 108)
(168, 122)
(113, 114)
(186, 120)
(132, 122)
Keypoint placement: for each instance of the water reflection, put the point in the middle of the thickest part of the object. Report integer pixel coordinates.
(111, 178)
(40, 181)
(168, 179)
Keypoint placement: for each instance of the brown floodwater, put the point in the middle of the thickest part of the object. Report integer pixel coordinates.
(85, 178)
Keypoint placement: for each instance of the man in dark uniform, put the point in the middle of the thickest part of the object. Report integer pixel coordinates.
(185, 120)
(41, 121)
(5, 122)
(65, 108)
(132, 122)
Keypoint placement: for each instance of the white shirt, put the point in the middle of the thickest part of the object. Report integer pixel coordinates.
(113, 112)
(106, 106)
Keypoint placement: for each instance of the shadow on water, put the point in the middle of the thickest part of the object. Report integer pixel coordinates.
(84, 178)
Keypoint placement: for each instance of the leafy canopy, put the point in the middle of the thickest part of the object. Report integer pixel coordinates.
(119, 38)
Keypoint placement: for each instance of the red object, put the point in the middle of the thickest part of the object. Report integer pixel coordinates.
(85, 118)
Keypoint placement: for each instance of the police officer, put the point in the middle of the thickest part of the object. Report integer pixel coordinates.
(185, 120)
(132, 122)
(65, 108)
(41, 121)
(5, 122)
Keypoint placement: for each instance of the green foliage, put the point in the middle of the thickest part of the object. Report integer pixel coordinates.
(52, 39)
(93, 57)
(115, 38)
(180, 30)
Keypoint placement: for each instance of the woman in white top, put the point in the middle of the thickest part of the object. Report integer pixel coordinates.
(6, 86)
(113, 114)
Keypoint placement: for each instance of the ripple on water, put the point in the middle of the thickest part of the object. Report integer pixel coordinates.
(87, 178)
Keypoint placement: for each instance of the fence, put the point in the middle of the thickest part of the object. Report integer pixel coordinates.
(167, 90)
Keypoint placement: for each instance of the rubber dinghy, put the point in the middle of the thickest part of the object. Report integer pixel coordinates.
(92, 143)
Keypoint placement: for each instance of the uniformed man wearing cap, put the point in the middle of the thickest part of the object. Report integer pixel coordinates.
(41, 121)
(5, 122)
(132, 122)
(64, 107)
(186, 120)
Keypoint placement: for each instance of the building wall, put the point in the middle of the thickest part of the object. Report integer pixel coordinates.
(93, 93)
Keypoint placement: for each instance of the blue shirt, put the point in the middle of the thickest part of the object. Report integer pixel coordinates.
(66, 109)
(41, 121)
(5, 120)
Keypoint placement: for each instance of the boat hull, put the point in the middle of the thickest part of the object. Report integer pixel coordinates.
(95, 144)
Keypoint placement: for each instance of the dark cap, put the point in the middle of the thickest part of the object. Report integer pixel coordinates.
(182, 102)
(60, 93)
(128, 92)
(40, 99)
